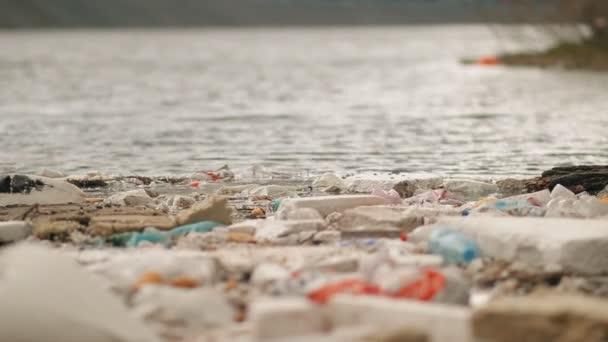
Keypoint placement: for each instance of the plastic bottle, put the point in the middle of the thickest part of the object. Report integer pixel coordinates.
(454, 247)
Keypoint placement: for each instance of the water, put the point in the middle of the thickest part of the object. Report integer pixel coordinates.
(367, 99)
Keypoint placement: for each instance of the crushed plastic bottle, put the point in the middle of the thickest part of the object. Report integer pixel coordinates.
(515, 207)
(454, 247)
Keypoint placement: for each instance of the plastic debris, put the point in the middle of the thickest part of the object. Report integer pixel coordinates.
(391, 196)
(350, 286)
(30, 190)
(258, 213)
(155, 236)
(55, 312)
(13, 231)
(453, 246)
(199, 227)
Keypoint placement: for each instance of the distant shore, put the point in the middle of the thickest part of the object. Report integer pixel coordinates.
(587, 55)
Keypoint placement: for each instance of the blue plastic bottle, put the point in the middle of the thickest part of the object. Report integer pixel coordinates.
(454, 247)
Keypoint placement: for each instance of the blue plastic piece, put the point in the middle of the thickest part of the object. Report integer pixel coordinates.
(276, 204)
(454, 247)
(200, 227)
(152, 235)
(506, 205)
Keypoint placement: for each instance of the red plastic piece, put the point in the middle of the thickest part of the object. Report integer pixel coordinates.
(214, 176)
(351, 286)
(403, 236)
(195, 184)
(424, 289)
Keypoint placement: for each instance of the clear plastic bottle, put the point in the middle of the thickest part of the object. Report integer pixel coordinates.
(454, 247)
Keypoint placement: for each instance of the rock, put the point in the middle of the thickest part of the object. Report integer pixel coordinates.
(511, 187)
(51, 174)
(470, 190)
(579, 246)
(327, 237)
(133, 197)
(214, 208)
(44, 293)
(304, 214)
(377, 218)
(563, 318)
(29, 190)
(182, 313)
(327, 205)
(590, 178)
(12, 231)
(93, 179)
(441, 322)
(285, 318)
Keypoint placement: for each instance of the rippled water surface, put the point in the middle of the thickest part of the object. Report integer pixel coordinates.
(171, 102)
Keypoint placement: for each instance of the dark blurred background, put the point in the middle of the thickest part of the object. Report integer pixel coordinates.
(87, 13)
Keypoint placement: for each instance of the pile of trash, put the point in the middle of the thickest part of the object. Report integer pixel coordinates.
(218, 256)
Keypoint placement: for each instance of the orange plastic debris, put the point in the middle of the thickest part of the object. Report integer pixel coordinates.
(185, 283)
(258, 212)
(147, 279)
(424, 289)
(241, 237)
(351, 286)
(488, 61)
(195, 184)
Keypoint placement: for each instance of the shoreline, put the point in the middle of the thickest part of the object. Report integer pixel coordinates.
(589, 55)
